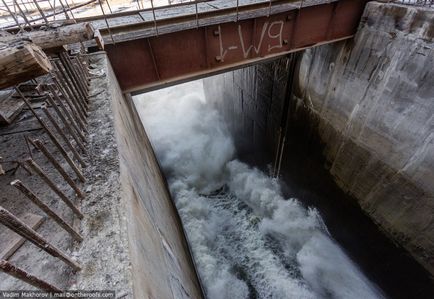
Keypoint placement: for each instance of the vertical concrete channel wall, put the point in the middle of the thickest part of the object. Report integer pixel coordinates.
(373, 102)
(369, 102)
(161, 265)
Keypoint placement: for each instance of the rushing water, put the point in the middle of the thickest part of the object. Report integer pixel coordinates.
(247, 240)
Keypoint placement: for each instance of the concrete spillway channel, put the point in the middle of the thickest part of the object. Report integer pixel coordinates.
(308, 176)
(252, 103)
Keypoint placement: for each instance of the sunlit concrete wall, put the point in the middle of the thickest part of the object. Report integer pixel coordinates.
(161, 265)
(251, 101)
(373, 99)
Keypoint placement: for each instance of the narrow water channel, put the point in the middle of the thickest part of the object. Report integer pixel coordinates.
(248, 240)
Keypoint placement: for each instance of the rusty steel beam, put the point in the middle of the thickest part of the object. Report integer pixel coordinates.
(152, 62)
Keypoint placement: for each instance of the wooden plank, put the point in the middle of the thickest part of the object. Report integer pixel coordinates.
(20, 62)
(54, 37)
(9, 107)
(14, 241)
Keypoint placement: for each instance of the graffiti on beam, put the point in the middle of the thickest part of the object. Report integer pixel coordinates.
(271, 33)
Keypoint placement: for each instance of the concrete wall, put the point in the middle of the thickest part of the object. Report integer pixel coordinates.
(160, 259)
(370, 103)
(252, 100)
(374, 102)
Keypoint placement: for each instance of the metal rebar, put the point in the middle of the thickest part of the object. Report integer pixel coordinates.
(155, 19)
(72, 92)
(80, 72)
(106, 22)
(81, 67)
(53, 8)
(108, 4)
(269, 8)
(68, 89)
(36, 168)
(23, 15)
(73, 106)
(68, 80)
(23, 275)
(25, 6)
(70, 10)
(41, 147)
(66, 124)
(66, 63)
(237, 9)
(40, 11)
(78, 111)
(71, 72)
(56, 218)
(18, 226)
(197, 15)
(64, 10)
(53, 138)
(66, 112)
(12, 15)
(63, 135)
(28, 147)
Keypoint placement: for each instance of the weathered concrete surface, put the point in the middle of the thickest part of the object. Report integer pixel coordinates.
(374, 103)
(370, 102)
(251, 101)
(104, 252)
(160, 259)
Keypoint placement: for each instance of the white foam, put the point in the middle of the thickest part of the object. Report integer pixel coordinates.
(230, 233)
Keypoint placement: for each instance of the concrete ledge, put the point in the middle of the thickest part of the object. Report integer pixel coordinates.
(160, 260)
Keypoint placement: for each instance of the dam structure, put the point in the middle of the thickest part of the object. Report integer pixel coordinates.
(217, 148)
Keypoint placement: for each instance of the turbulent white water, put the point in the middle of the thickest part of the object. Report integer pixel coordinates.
(247, 240)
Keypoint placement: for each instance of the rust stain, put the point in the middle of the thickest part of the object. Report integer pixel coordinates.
(202, 51)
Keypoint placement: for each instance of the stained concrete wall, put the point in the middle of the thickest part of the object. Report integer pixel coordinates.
(374, 102)
(370, 102)
(252, 100)
(161, 265)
